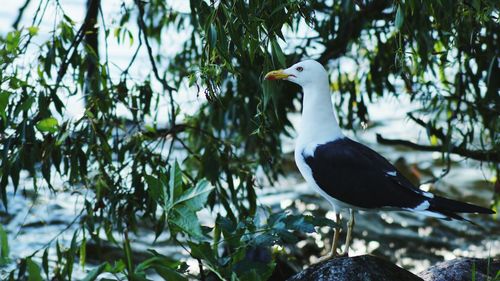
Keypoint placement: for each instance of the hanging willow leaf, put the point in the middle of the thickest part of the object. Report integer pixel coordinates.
(34, 272)
(48, 125)
(278, 53)
(399, 17)
(94, 273)
(4, 246)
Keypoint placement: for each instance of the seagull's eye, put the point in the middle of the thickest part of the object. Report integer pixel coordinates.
(299, 69)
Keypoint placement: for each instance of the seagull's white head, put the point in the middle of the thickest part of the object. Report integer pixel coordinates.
(304, 73)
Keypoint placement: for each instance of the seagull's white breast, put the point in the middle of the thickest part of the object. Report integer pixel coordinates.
(305, 150)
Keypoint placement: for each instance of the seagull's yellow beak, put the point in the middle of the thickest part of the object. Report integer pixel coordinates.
(276, 75)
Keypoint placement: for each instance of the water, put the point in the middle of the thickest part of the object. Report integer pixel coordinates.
(412, 241)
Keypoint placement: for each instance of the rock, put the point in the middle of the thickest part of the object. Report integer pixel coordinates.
(462, 269)
(365, 268)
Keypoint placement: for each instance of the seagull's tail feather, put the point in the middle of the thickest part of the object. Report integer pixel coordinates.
(440, 203)
(449, 208)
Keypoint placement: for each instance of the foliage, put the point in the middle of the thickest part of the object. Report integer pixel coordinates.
(443, 54)
(4, 246)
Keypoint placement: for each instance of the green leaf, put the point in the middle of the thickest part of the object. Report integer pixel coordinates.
(45, 262)
(33, 271)
(168, 274)
(192, 79)
(186, 219)
(48, 125)
(12, 41)
(83, 252)
(4, 101)
(160, 226)
(96, 271)
(213, 36)
(128, 255)
(265, 240)
(155, 188)
(164, 266)
(183, 213)
(175, 184)
(476, 4)
(399, 17)
(33, 30)
(204, 252)
(297, 222)
(267, 92)
(254, 271)
(321, 221)
(25, 105)
(4, 246)
(196, 197)
(278, 53)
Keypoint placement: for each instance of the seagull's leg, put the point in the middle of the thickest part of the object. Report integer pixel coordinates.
(336, 235)
(350, 226)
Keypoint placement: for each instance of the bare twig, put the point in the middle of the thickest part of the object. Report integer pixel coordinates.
(481, 155)
(142, 26)
(432, 130)
(202, 273)
(20, 14)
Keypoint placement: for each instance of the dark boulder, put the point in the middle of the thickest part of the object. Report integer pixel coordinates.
(365, 268)
(462, 269)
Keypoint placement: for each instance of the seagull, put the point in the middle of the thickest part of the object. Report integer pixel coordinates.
(349, 174)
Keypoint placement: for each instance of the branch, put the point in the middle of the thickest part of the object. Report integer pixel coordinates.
(168, 88)
(434, 131)
(91, 39)
(481, 155)
(20, 14)
(142, 27)
(86, 26)
(352, 28)
(178, 128)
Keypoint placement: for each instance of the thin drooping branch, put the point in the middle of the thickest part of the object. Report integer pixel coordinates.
(352, 29)
(91, 40)
(142, 26)
(432, 130)
(163, 81)
(481, 155)
(165, 132)
(20, 14)
(73, 48)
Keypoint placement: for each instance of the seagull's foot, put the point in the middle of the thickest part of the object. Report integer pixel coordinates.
(329, 256)
(344, 254)
(333, 253)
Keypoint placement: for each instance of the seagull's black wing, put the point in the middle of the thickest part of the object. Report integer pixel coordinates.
(353, 173)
